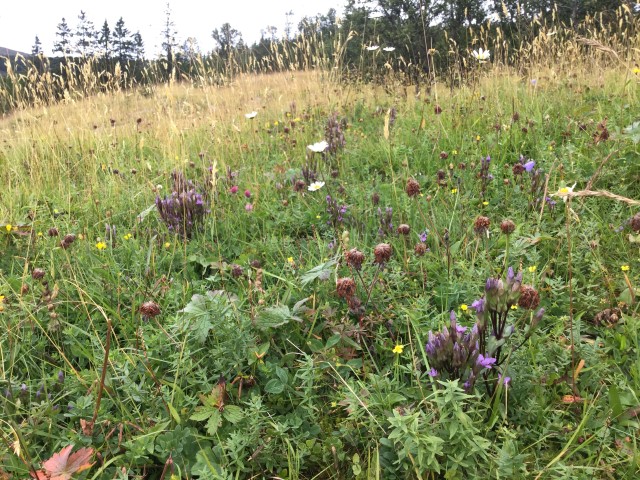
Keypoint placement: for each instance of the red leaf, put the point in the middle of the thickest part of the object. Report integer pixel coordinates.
(62, 465)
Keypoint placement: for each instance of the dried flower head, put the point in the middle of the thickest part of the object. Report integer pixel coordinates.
(382, 252)
(507, 227)
(635, 222)
(68, 239)
(412, 188)
(375, 198)
(236, 271)
(404, 229)
(529, 297)
(420, 249)
(53, 232)
(518, 169)
(149, 309)
(37, 273)
(346, 287)
(355, 258)
(481, 225)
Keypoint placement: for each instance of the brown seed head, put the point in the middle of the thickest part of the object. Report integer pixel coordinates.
(68, 239)
(507, 227)
(53, 232)
(37, 273)
(412, 188)
(382, 252)
(299, 186)
(375, 198)
(404, 229)
(420, 249)
(236, 270)
(518, 169)
(635, 223)
(355, 258)
(529, 297)
(481, 225)
(437, 109)
(346, 287)
(149, 309)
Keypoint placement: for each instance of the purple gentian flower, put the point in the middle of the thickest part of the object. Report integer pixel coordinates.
(485, 362)
(433, 372)
(529, 165)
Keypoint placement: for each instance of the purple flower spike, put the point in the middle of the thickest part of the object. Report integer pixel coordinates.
(478, 305)
(485, 362)
(452, 316)
(433, 373)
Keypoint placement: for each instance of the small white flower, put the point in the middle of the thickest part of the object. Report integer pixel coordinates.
(564, 192)
(318, 147)
(389, 49)
(315, 186)
(375, 15)
(158, 187)
(481, 55)
(373, 48)
(250, 115)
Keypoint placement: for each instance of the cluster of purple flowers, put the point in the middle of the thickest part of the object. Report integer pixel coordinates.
(458, 352)
(335, 211)
(484, 175)
(386, 222)
(185, 208)
(334, 134)
(455, 353)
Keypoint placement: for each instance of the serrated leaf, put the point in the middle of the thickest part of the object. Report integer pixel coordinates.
(64, 464)
(232, 414)
(322, 271)
(215, 420)
(202, 413)
(274, 386)
(273, 317)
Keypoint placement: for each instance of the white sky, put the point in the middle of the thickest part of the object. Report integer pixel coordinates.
(22, 20)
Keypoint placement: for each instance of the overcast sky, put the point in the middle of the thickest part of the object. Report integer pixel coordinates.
(22, 20)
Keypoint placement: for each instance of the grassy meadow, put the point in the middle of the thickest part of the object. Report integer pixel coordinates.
(448, 288)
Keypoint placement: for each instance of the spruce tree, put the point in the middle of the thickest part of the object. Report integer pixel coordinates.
(122, 42)
(63, 43)
(105, 41)
(37, 47)
(169, 40)
(85, 36)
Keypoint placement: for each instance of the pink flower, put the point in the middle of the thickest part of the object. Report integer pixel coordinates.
(247, 193)
(249, 207)
(234, 189)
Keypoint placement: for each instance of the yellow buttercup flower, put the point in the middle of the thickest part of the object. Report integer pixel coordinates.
(454, 191)
(398, 349)
(485, 203)
(101, 245)
(624, 268)
(128, 236)
(477, 138)
(290, 260)
(464, 307)
(8, 227)
(636, 71)
(532, 268)
(514, 307)
(167, 245)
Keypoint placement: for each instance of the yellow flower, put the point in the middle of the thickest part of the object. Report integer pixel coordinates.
(532, 268)
(636, 71)
(454, 190)
(290, 260)
(398, 349)
(477, 138)
(514, 307)
(101, 245)
(454, 152)
(127, 236)
(167, 245)
(276, 123)
(464, 307)
(485, 203)
(39, 234)
(624, 268)
(334, 404)
(8, 227)
(1, 298)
